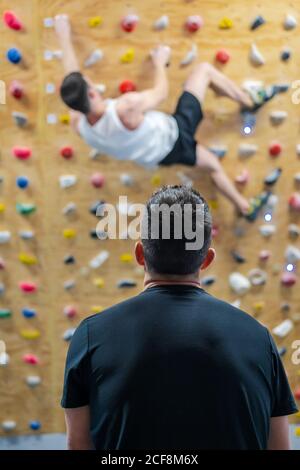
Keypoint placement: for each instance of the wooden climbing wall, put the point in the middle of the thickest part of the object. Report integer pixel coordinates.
(222, 125)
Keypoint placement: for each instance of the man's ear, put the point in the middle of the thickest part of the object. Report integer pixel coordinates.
(210, 256)
(139, 253)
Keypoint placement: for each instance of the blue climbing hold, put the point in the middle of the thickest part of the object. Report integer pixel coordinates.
(28, 312)
(14, 55)
(257, 22)
(22, 182)
(34, 425)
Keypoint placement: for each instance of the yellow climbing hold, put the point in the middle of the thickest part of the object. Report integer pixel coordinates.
(2, 207)
(126, 257)
(98, 282)
(64, 118)
(95, 21)
(297, 415)
(30, 334)
(156, 180)
(27, 258)
(258, 306)
(297, 431)
(225, 23)
(128, 56)
(213, 204)
(69, 233)
(97, 308)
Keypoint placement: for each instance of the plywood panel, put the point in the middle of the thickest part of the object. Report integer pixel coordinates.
(221, 126)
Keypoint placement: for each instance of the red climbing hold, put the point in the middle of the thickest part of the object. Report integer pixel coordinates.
(30, 359)
(222, 56)
(28, 286)
(193, 23)
(16, 89)
(275, 149)
(70, 311)
(11, 20)
(129, 23)
(297, 393)
(126, 86)
(23, 153)
(97, 180)
(294, 201)
(67, 152)
(288, 279)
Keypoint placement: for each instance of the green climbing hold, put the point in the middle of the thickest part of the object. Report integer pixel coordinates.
(26, 208)
(5, 313)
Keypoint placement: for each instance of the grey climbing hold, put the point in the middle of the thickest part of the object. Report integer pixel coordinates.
(257, 22)
(26, 234)
(69, 284)
(70, 208)
(2, 288)
(220, 151)
(290, 22)
(208, 280)
(281, 351)
(292, 254)
(285, 307)
(190, 56)
(33, 380)
(93, 58)
(126, 283)
(294, 230)
(161, 23)
(278, 117)
(267, 230)
(273, 177)
(67, 336)
(126, 179)
(20, 118)
(247, 150)
(257, 277)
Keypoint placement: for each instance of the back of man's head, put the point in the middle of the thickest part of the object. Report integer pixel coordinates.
(74, 92)
(177, 218)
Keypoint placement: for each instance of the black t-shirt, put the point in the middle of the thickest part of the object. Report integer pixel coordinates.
(176, 368)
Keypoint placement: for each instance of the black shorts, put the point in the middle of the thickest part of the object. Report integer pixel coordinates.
(188, 115)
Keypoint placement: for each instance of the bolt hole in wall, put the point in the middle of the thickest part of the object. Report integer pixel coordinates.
(54, 269)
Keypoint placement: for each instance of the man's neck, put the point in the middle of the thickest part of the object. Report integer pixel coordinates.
(160, 279)
(94, 116)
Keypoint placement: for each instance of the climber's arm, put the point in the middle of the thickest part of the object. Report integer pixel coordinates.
(63, 32)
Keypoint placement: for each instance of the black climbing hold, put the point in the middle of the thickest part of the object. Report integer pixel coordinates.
(273, 177)
(208, 280)
(69, 259)
(126, 283)
(257, 22)
(97, 208)
(238, 257)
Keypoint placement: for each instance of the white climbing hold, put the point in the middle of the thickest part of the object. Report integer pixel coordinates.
(70, 208)
(8, 425)
(20, 118)
(297, 178)
(236, 303)
(69, 284)
(161, 23)
(98, 260)
(239, 283)
(292, 254)
(51, 118)
(283, 329)
(298, 150)
(48, 22)
(101, 88)
(66, 181)
(33, 380)
(294, 230)
(93, 58)
(68, 334)
(26, 234)
(277, 117)
(255, 55)
(247, 150)
(4, 359)
(50, 55)
(267, 230)
(190, 56)
(126, 179)
(290, 22)
(257, 277)
(5, 236)
(272, 202)
(50, 88)
(95, 154)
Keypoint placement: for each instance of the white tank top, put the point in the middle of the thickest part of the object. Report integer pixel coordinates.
(147, 145)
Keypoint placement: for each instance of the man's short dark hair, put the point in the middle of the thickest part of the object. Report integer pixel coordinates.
(170, 256)
(74, 92)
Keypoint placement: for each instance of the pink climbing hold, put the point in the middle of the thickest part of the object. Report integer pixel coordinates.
(28, 287)
(16, 89)
(294, 201)
(31, 359)
(2, 264)
(264, 255)
(129, 23)
(243, 177)
(215, 231)
(23, 153)
(275, 149)
(222, 56)
(97, 180)
(67, 152)
(193, 23)
(288, 279)
(70, 311)
(12, 21)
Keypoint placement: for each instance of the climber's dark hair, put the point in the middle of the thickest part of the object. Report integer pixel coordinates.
(74, 92)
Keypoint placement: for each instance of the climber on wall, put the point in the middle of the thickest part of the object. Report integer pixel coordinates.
(130, 128)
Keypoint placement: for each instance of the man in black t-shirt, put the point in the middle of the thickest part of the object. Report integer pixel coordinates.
(174, 367)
